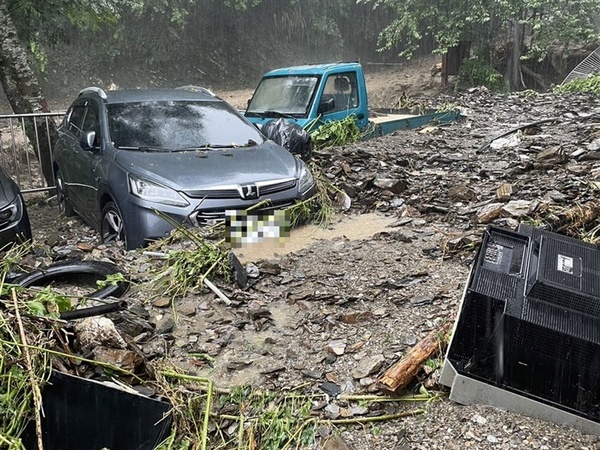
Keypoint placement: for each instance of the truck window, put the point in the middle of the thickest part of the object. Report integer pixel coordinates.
(287, 95)
(343, 88)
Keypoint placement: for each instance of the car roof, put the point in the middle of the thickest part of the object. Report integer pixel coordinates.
(140, 95)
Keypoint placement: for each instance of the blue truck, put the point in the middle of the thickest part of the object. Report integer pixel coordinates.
(312, 95)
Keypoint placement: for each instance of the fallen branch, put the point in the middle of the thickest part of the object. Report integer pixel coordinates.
(402, 373)
(576, 217)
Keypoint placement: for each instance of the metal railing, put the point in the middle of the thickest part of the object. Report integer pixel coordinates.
(20, 156)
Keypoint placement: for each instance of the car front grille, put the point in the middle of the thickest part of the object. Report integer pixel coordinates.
(233, 191)
(210, 217)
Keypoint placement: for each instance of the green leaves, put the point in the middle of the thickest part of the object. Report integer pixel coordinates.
(589, 84)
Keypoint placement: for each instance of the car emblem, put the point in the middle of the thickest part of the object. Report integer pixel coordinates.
(248, 191)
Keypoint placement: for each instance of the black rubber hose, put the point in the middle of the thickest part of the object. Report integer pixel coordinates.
(94, 310)
(70, 269)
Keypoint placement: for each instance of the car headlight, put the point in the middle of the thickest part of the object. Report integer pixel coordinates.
(153, 192)
(11, 212)
(306, 179)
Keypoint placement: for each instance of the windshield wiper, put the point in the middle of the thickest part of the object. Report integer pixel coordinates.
(272, 113)
(144, 148)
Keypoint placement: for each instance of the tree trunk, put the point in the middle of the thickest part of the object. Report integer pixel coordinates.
(23, 90)
(514, 56)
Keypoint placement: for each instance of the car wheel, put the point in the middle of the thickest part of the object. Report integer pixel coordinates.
(64, 206)
(112, 228)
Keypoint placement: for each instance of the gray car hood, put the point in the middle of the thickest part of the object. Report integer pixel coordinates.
(189, 170)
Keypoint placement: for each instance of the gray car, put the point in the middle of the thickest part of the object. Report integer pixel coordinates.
(121, 156)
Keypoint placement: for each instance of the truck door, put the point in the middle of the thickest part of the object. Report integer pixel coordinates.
(343, 89)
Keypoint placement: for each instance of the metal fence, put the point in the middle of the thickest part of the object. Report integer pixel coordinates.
(19, 155)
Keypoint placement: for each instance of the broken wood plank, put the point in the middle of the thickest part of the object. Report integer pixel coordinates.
(402, 373)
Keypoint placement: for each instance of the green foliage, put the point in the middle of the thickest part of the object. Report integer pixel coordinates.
(335, 133)
(473, 72)
(539, 26)
(589, 84)
(48, 303)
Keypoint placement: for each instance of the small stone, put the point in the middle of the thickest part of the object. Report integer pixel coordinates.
(368, 366)
(162, 302)
(488, 213)
(492, 439)
(479, 419)
(336, 347)
(85, 247)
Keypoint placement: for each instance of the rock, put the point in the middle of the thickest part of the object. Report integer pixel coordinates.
(518, 208)
(85, 247)
(488, 213)
(97, 331)
(336, 443)
(594, 146)
(462, 193)
(332, 411)
(395, 186)
(187, 308)
(331, 389)
(162, 302)
(252, 270)
(336, 347)
(504, 192)
(125, 359)
(368, 366)
(551, 156)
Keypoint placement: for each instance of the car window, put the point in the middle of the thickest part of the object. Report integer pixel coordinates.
(90, 123)
(178, 124)
(76, 117)
(343, 88)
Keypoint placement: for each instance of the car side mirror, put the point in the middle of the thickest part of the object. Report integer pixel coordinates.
(88, 140)
(326, 105)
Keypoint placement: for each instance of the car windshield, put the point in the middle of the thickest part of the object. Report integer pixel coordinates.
(289, 95)
(176, 125)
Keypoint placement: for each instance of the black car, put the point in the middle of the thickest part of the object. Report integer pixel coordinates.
(14, 221)
(125, 159)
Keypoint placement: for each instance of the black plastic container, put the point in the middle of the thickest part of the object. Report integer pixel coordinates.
(530, 319)
(81, 414)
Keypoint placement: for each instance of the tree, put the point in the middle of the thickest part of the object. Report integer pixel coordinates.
(21, 86)
(17, 77)
(527, 28)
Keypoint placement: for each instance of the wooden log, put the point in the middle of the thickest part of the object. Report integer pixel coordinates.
(402, 373)
(579, 215)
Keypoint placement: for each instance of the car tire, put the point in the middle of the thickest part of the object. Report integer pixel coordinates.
(64, 205)
(72, 269)
(112, 227)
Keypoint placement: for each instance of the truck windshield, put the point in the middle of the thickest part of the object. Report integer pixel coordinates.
(286, 95)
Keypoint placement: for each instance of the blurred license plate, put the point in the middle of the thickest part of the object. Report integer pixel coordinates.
(243, 228)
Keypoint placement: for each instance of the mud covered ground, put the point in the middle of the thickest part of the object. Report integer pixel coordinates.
(333, 310)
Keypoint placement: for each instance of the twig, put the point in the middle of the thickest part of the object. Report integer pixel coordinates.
(415, 412)
(37, 396)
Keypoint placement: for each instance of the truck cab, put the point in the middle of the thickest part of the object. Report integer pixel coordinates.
(302, 94)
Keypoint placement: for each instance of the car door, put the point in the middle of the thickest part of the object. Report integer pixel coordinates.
(87, 178)
(67, 151)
